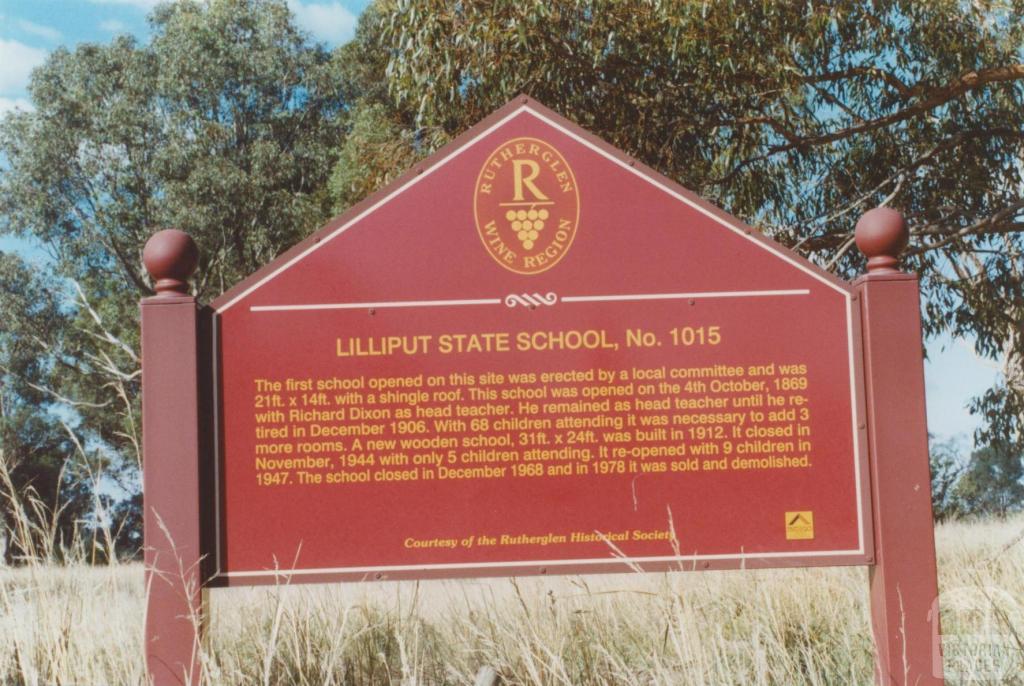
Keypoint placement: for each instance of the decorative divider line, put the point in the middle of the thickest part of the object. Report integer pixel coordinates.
(375, 306)
(680, 296)
(528, 300)
(531, 300)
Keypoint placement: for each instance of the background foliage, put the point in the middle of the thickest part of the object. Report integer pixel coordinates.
(236, 127)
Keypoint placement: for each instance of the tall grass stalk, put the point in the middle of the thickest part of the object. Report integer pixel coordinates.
(82, 624)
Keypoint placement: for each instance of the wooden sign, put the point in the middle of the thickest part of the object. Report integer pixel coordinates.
(534, 355)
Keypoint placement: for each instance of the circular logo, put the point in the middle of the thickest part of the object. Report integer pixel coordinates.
(526, 205)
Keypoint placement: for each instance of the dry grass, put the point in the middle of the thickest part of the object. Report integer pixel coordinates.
(83, 625)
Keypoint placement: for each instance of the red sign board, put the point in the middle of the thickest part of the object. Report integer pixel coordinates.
(533, 354)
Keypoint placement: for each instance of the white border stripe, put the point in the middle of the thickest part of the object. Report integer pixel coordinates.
(499, 301)
(682, 198)
(855, 409)
(455, 153)
(855, 436)
(380, 305)
(854, 414)
(373, 208)
(679, 296)
(215, 370)
(544, 563)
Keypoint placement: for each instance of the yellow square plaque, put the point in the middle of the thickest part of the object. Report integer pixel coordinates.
(799, 525)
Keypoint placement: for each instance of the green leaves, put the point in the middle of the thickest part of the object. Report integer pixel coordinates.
(225, 126)
(797, 117)
(232, 126)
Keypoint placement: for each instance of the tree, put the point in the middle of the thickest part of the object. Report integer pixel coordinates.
(796, 117)
(947, 468)
(32, 445)
(382, 140)
(225, 125)
(993, 482)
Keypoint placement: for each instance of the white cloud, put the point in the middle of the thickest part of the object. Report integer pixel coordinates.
(47, 32)
(113, 25)
(16, 63)
(329, 22)
(9, 104)
(138, 4)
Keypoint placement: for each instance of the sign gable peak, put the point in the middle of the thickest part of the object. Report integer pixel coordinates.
(520, 106)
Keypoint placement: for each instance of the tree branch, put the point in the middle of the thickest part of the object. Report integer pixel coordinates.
(930, 99)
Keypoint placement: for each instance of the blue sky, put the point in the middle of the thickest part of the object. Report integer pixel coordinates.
(29, 29)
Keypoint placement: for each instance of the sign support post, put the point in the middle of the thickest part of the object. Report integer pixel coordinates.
(903, 579)
(175, 607)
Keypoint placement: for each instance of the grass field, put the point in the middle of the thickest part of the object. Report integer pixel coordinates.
(83, 625)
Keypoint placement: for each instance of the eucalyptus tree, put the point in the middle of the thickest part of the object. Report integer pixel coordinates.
(225, 125)
(796, 117)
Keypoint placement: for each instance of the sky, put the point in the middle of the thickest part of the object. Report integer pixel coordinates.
(30, 29)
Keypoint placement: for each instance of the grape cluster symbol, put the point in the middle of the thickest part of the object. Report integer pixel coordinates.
(527, 224)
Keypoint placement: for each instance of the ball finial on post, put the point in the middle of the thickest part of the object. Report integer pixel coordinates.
(171, 257)
(882, 234)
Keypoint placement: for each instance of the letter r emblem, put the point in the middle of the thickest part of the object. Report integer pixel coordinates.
(521, 180)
